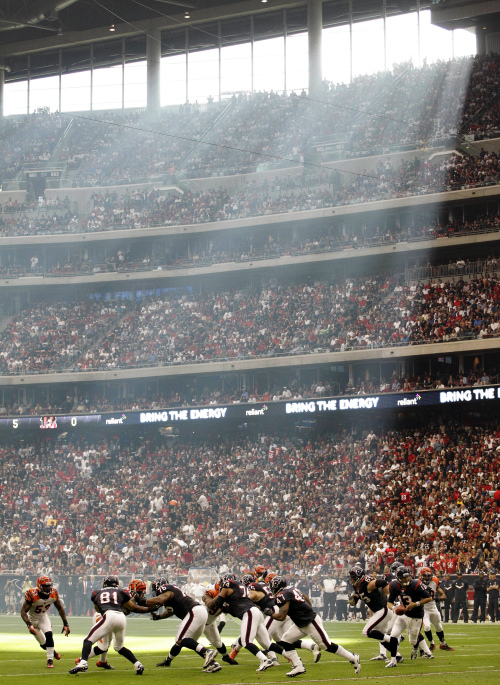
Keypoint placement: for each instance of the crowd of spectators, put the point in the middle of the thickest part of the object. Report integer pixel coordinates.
(118, 148)
(28, 140)
(407, 107)
(237, 246)
(178, 326)
(157, 208)
(306, 505)
(49, 336)
(185, 394)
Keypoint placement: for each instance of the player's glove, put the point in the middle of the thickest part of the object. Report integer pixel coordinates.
(154, 617)
(66, 629)
(32, 630)
(140, 601)
(268, 611)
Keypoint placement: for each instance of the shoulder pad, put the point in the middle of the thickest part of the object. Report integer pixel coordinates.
(228, 583)
(29, 595)
(54, 594)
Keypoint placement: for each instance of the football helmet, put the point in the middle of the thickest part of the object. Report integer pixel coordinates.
(247, 578)
(394, 566)
(158, 582)
(357, 575)
(269, 577)
(44, 586)
(227, 576)
(137, 588)
(277, 583)
(403, 575)
(157, 585)
(260, 572)
(111, 581)
(426, 574)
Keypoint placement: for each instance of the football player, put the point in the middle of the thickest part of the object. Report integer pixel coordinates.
(212, 632)
(260, 574)
(137, 589)
(233, 596)
(372, 591)
(34, 612)
(193, 616)
(431, 613)
(305, 621)
(410, 614)
(111, 602)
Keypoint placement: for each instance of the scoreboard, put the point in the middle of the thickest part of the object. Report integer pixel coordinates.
(253, 413)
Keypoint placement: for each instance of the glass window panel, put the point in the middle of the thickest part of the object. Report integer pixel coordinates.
(173, 80)
(268, 64)
(75, 92)
(297, 71)
(136, 86)
(107, 88)
(402, 39)
(435, 42)
(236, 69)
(464, 43)
(336, 51)
(203, 75)
(368, 47)
(15, 98)
(44, 92)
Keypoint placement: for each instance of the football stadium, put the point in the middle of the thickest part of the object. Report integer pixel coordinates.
(250, 340)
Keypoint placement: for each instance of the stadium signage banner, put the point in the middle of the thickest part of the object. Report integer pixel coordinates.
(258, 411)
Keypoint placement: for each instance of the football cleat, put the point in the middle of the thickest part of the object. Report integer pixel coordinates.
(392, 664)
(298, 670)
(356, 663)
(105, 665)
(422, 652)
(401, 639)
(399, 658)
(264, 665)
(209, 657)
(414, 653)
(379, 657)
(427, 656)
(275, 662)
(57, 656)
(446, 647)
(81, 667)
(316, 654)
(432, 646)
(227, 658)
(50, 663)
(139, 668)
(213, 668)
(165, 662)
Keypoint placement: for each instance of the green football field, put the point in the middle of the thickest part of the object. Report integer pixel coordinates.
(476, 659)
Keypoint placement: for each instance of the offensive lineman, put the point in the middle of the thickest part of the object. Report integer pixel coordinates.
(193, 618)
(233, 596)
(34, 612)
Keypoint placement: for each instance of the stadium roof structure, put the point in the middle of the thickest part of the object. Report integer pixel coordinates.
(64, 27)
